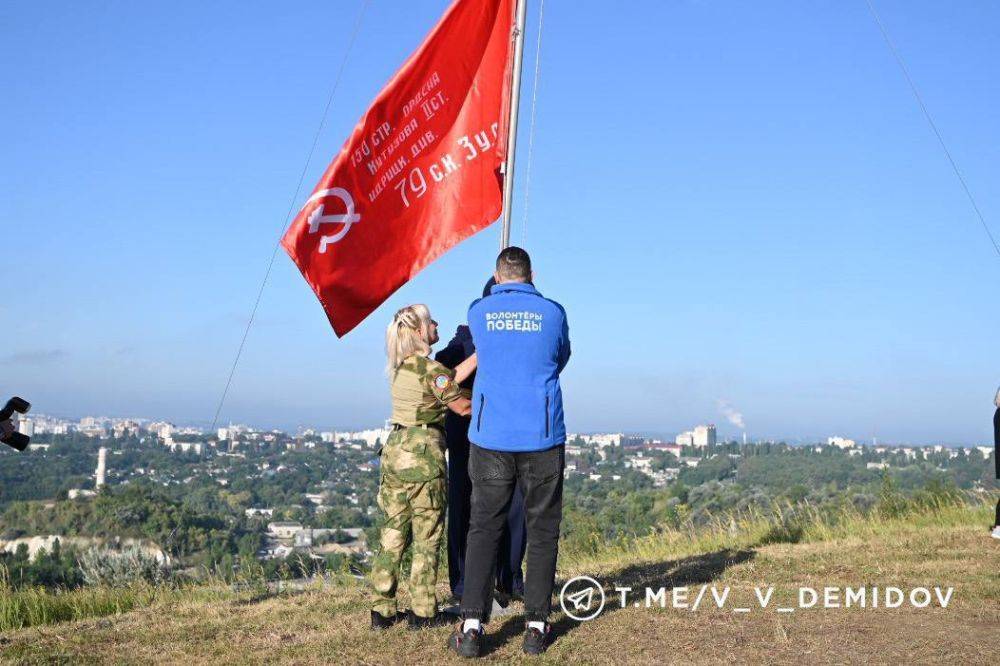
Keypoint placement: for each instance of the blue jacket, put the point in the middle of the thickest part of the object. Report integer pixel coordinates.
(523, 344)
(459, 349)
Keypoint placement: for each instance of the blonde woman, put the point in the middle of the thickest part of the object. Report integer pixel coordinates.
(412, 489)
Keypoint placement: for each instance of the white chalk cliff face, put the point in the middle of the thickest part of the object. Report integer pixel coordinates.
(37, 543)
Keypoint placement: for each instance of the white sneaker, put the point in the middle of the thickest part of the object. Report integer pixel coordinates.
(996, 532)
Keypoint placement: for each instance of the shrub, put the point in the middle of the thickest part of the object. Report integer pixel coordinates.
(122, 568)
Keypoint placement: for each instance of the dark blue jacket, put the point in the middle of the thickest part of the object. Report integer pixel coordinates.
(522, 340)
(458, 349)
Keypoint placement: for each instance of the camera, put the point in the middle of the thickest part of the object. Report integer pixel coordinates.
(8, 433)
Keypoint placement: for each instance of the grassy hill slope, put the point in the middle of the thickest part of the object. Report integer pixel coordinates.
(944, 547)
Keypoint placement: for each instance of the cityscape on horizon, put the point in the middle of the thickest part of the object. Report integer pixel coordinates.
(700, 436)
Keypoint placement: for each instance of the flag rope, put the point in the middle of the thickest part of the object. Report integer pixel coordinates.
(291, 208)
(930, 121)
(531, 126)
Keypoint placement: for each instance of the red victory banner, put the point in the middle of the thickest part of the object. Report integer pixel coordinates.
(419, 174)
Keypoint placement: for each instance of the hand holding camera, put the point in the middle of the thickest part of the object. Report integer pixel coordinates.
(8, 430)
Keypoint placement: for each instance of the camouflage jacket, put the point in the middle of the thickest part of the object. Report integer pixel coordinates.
(421, 390)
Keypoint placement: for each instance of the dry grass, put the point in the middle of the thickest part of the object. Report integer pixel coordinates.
(32, 607)
(946, 547)
(781, 524)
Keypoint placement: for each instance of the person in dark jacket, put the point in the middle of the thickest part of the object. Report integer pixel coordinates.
(509, 574)
(996, 458)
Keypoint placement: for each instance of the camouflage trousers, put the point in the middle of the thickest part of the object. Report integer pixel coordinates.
(413, 496)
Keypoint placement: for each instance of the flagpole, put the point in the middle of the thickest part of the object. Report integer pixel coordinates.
(515, 97)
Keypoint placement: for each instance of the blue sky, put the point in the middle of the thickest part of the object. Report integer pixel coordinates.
(735, 202)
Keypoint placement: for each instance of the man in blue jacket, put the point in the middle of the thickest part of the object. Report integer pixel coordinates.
(510, 579)
(518, 436)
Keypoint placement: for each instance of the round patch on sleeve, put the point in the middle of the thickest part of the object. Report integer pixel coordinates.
(441, 382)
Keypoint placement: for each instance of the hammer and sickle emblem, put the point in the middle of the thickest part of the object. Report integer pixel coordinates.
(316, 218)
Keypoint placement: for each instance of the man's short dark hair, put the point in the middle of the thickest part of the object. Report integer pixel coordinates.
(514, 265)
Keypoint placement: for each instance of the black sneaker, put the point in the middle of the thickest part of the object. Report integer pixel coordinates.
(416, 622)
(465, 643)
(535, 641)
(380, 622)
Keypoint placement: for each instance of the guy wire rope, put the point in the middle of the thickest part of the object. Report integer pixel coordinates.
(930, 121)
(291, 208)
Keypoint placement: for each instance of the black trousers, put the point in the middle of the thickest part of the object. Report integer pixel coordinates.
(510, 556)
(494, 475)
(996, 441)
(996, 456)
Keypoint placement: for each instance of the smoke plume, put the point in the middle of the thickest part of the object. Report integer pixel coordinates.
(733, 416)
